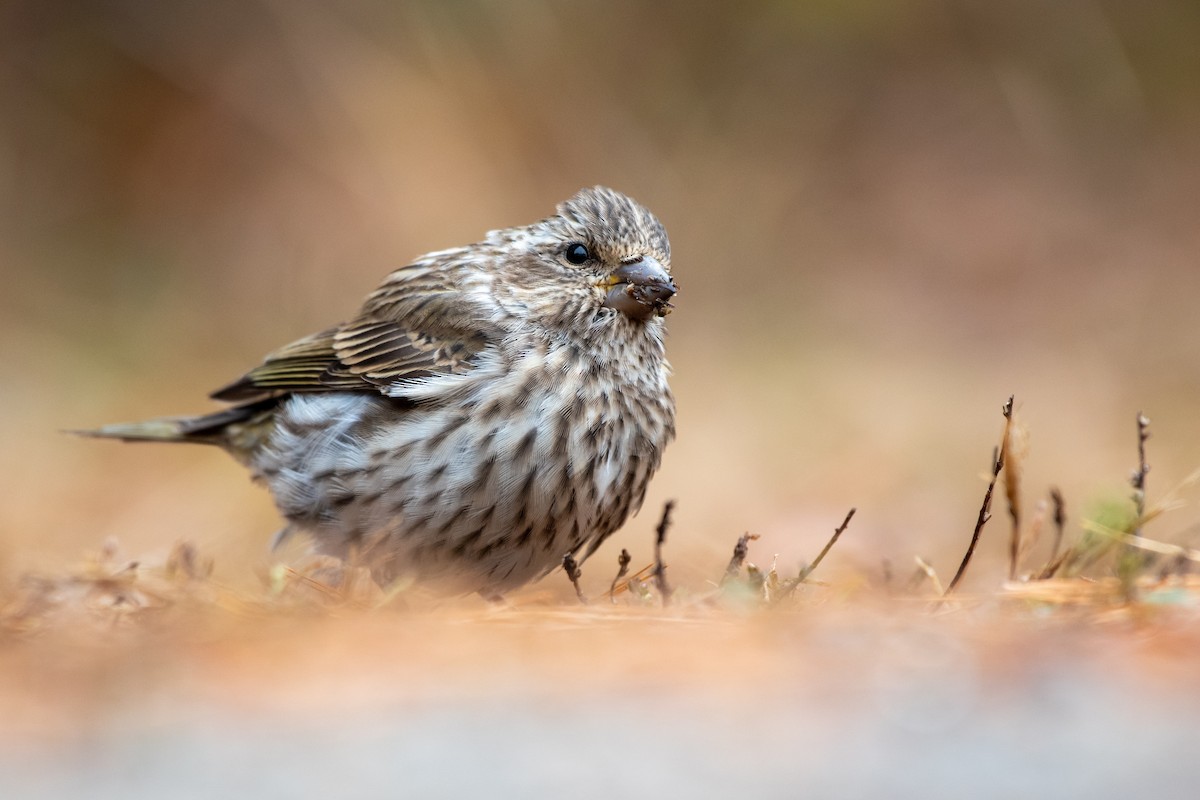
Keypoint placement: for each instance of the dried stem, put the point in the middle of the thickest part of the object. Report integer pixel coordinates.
(571, 567)
(740, 550)
(924, 568)
(1131, 562)
(984, 515)
(660, 538)
(1052, 568)
(1146, 544)
(1057, 559)
(1138, 479)
(622, 570)
(804, 573)
(1060, 520)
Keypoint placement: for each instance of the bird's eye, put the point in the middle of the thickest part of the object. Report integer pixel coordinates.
(577, 253)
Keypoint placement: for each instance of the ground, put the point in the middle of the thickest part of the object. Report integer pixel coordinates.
(166, 683)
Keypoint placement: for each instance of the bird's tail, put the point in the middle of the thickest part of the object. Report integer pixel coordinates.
(236, 429)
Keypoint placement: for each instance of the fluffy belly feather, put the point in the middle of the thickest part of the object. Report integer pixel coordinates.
(471, 492)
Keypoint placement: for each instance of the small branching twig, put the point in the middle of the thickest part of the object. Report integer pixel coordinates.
(622, 570)
(985, 510)
(804, 573)
(740, 551)
(660, 538)
(571, 567)
(984, 515)
(788, 588)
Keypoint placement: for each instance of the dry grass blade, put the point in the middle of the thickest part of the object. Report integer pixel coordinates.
(1037, 525)
(1171, 500)
(637, 578)
(1051, 569)
(924, 568)
(1142, 543)
(334, 595)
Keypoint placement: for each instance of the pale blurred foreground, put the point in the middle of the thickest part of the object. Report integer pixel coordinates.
(148, 683)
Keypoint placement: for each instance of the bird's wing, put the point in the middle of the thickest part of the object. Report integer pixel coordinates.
(415, 325)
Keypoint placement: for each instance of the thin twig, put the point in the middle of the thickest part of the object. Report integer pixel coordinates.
(622, 569)
(1131, 562)
(740, 550)
(1057, 560)
(1138, 479)
(788, 588)
(660, 538)
(804, 573)
(984, 515)
(571, 567)
(1060, 520)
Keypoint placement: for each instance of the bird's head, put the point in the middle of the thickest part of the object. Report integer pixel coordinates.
(604, 258)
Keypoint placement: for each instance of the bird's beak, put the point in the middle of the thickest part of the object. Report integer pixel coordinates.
(640, 289)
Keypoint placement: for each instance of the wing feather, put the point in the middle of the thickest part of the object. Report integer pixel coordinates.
(415, 325)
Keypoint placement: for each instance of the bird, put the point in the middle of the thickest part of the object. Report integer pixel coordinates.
(489, 410)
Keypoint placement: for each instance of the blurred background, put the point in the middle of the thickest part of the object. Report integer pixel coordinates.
(885, 218)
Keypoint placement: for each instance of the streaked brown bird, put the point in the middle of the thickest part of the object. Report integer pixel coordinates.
(490, 409)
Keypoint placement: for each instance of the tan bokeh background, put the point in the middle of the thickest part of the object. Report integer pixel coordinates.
(885, 217)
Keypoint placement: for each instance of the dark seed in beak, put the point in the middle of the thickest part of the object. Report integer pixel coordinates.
(644, 289)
